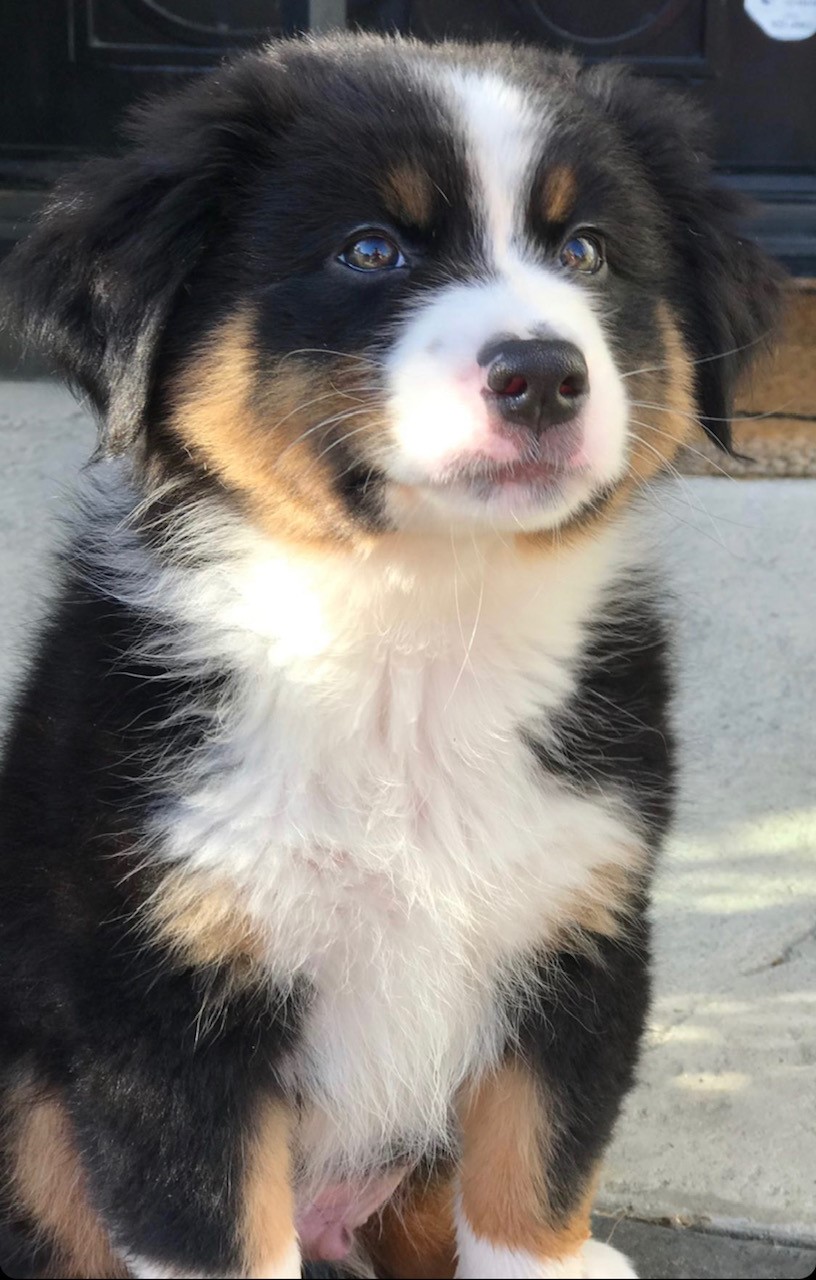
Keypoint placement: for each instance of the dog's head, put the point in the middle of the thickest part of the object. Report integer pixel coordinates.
(362, 284)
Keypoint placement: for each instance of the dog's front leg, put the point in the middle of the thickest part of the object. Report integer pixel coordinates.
(534, 1130)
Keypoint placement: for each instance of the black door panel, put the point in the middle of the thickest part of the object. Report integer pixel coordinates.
(73, 66)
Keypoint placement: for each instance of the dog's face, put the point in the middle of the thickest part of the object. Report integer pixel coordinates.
(367, 286)
(439, 294)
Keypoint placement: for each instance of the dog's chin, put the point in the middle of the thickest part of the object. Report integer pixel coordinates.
(493, 499)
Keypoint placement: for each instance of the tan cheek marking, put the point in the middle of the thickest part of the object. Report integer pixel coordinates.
(558, 195)
(49, 1185)
(268, 1225)
(202, 923)
(408, 195)
(662, 432)
(255, 431)
(415, 1234)
(507, 1133)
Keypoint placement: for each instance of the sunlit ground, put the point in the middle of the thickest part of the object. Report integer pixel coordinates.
(723, 1122)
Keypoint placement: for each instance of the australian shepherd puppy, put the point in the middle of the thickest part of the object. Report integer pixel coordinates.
(332, 797)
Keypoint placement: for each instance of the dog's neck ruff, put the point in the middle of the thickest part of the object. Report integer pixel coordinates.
(365, 787)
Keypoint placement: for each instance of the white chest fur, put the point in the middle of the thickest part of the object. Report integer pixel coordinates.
(367, 789)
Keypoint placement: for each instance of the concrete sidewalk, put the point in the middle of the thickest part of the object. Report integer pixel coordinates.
(720, 1136)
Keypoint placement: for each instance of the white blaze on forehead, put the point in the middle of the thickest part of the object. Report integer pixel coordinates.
(504, 131)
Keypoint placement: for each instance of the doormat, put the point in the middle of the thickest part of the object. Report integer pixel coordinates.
(775, 418)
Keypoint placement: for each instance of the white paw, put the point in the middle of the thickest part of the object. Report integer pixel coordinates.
(286, 1267)
(596, 1261)
(602, 1262)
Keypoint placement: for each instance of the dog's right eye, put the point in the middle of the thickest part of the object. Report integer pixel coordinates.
(583, 252)
(372, 251)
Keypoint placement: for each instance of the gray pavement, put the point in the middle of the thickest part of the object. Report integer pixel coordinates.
(678, 1252)
(722, 1129)
(720, 1134)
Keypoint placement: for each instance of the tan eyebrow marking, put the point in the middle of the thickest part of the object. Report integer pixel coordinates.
(408, 195)
(559, 193)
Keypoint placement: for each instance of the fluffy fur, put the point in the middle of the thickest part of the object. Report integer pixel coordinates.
(331, 800)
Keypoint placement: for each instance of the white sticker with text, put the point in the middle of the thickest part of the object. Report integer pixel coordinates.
(784, 19)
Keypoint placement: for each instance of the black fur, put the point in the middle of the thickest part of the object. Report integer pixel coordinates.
(615, 731)
(94, 285)
(147, 1056)
(721, 283)
(584, 1029)
(583, 1036)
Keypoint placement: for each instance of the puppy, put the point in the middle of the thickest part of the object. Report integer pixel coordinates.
(332, 797)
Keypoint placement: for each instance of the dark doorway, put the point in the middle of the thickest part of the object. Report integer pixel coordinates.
(72, 66)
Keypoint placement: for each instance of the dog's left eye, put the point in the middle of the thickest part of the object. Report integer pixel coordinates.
(373, 251)
(583, 253)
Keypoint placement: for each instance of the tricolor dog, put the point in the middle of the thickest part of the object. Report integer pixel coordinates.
(332, 795)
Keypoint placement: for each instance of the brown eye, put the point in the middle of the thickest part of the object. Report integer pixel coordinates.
(372, 252)
(582, 253)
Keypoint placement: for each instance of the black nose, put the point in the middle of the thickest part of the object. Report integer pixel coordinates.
(535, 383)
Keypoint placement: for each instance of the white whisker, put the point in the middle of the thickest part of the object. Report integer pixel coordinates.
(667, 435)
(684, 485)
(695, 417)
(720, 355)
(469, 644)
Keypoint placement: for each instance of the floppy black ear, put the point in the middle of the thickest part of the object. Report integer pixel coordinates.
(93, 285)
(728, 292)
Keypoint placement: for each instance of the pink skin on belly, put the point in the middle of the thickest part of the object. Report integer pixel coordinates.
(327, 1224)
